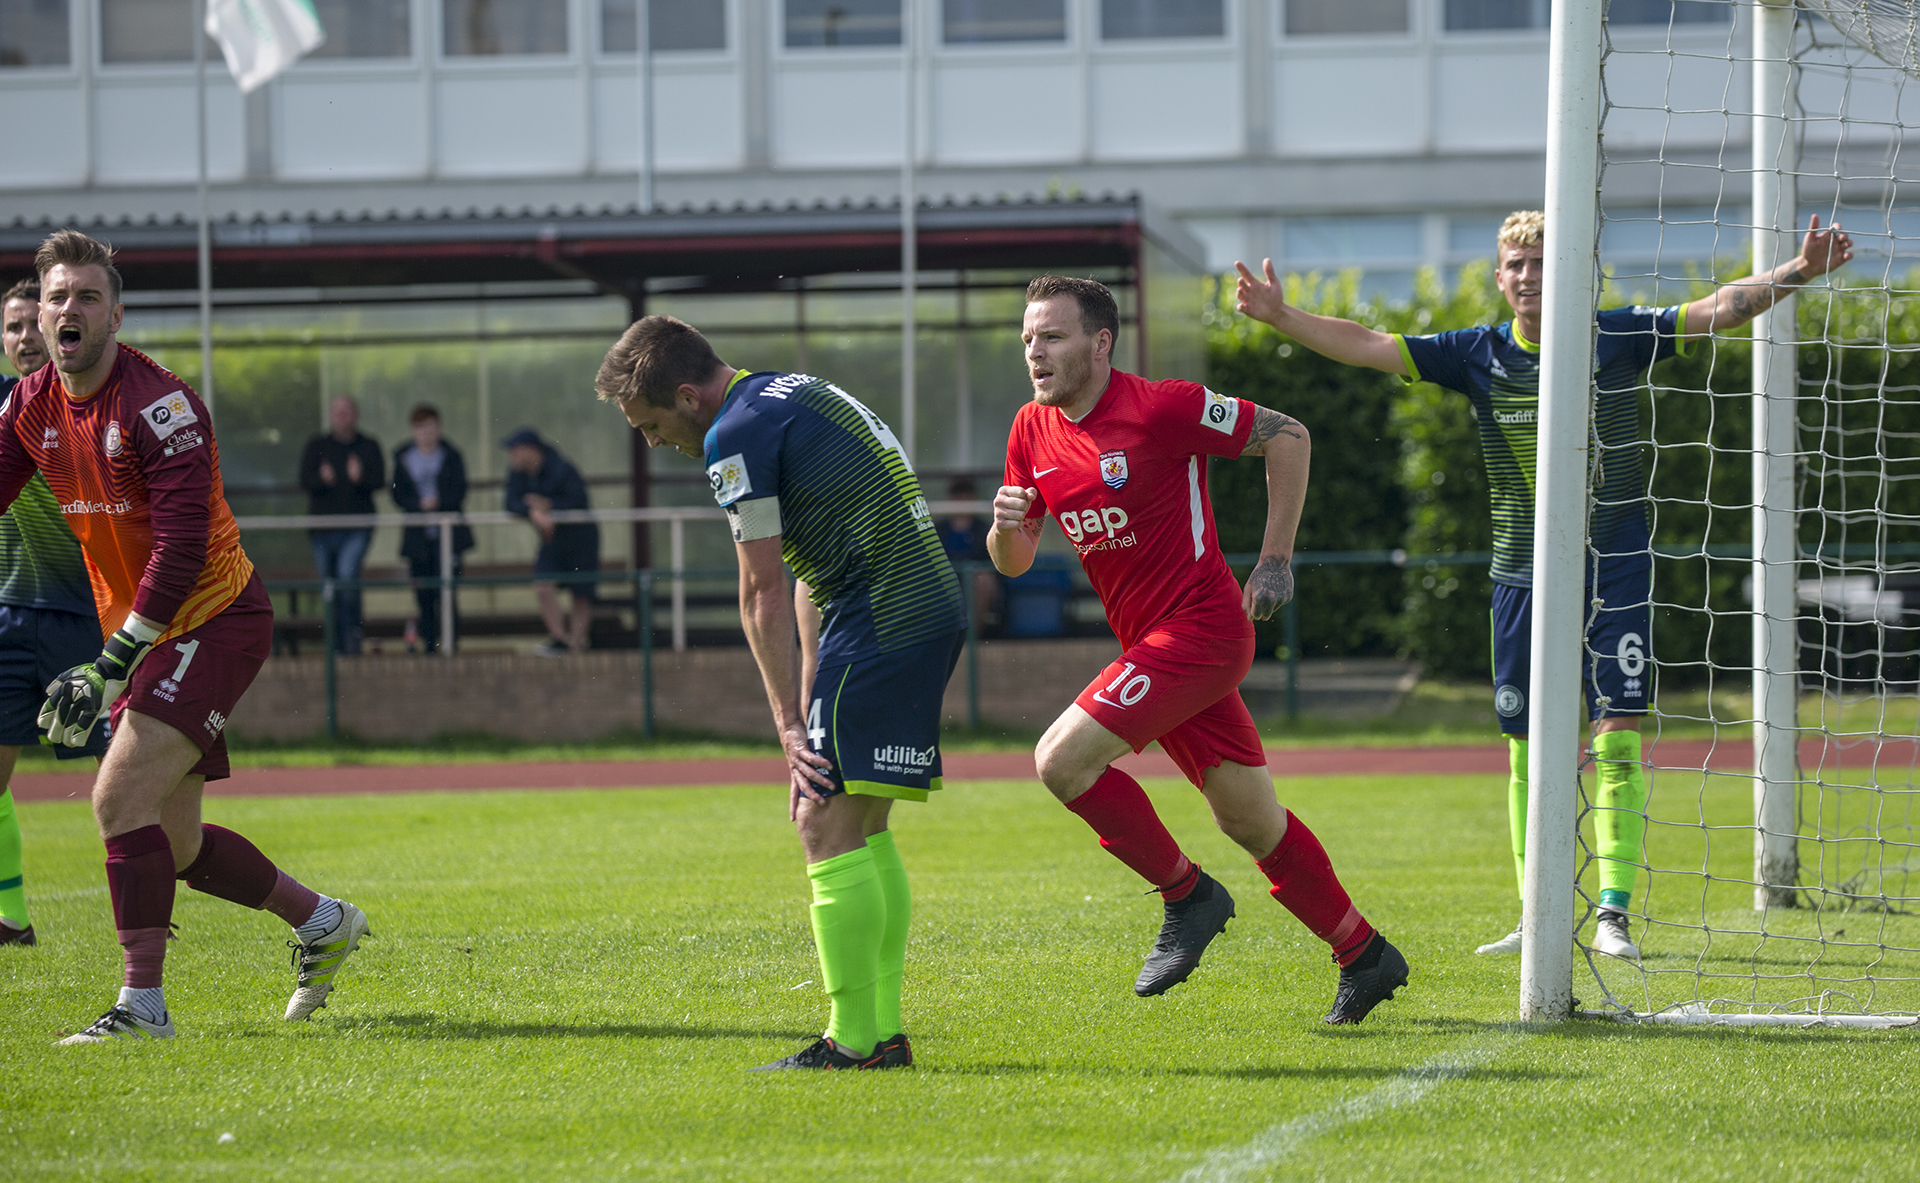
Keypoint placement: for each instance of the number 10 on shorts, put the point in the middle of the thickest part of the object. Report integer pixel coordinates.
(1128, 687)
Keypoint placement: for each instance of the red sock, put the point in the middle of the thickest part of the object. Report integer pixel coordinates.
(1118, 810)
(140, 883)
(1304, 883)
(233, 868)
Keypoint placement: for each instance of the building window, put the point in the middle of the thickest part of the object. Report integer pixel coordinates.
(1126, 20)
(1496, 14)
(1306, 18)
(364, 28)
(1668, 12)
(489, 28)
(133, 31)
(34, 33)
(816, 23)
(672, 25)
(977, 22)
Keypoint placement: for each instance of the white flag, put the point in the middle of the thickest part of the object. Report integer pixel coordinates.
(260, 38)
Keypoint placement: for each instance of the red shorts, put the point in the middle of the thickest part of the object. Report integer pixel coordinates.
(1180, 684)
(193, 681)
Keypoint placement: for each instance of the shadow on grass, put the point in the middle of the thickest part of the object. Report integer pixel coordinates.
(431, 1026)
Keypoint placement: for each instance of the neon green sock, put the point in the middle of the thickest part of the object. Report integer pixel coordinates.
(1620, 814)
(849, 918)
(1517, 808)
(893, 940)
(13, 895)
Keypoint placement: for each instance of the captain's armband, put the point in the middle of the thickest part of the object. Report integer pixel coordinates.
(755, 519)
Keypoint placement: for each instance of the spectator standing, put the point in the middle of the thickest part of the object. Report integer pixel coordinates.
(541, 482)
(340, 470)
(429, 476)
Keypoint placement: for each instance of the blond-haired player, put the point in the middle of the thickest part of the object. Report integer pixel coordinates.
(1498, 368)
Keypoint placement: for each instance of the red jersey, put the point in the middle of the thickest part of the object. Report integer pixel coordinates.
(1128, 483)
(138, 478)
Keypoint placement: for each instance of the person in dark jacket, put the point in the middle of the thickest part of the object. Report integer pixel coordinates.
(429, 476)
(340, 470)
(541, 481)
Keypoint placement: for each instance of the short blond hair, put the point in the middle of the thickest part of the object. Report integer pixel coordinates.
(1527, 227)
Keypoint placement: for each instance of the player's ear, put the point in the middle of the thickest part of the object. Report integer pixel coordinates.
(686, 398)
(1102, 345)
(119, 310)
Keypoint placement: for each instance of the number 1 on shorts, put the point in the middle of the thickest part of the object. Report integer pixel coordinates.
(186, 650)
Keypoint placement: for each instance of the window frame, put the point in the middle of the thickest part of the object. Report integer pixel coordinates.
(731, 22)
(777, 15)
(1414, 32)
(1068, 38)
(577, 30)
(75, 48)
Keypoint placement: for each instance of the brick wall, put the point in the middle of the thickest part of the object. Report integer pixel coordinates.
(1023, 684)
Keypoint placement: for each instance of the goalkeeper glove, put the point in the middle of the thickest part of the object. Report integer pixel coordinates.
(78, 698)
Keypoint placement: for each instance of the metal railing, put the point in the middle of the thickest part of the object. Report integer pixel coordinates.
(644, 581)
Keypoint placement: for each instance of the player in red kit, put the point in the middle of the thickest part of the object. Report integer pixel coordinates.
(129, 453)
(1121, 464)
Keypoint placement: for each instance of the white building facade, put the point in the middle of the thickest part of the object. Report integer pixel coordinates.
(1386, 134)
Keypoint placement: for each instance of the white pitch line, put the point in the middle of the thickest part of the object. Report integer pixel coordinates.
(1281, 1141)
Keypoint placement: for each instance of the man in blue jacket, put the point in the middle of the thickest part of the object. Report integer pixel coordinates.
(541, 482)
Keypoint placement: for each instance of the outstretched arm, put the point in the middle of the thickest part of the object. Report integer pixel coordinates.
(1344, 341)
(1287, 448)
(1742, 300)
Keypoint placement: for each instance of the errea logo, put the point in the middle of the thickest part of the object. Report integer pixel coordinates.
(51, 439)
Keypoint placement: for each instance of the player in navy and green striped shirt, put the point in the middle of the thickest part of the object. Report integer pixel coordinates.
(812, 478)
(47, 622)
(1497, 368)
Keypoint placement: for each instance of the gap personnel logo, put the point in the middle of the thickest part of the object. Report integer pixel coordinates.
(1082, 523)
(111, 441)
(51, 439)
(1113, 469)
(1509, 701)
(215, 721)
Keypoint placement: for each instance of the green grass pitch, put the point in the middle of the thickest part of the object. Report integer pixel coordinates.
(572, 986)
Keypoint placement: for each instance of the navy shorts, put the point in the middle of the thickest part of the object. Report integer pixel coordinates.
(37, 645)
(1616, 662)
(878, 719)
(570, 550)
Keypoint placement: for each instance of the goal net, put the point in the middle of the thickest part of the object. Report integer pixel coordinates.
(1777, 875)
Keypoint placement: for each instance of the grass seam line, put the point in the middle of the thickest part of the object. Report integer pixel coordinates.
(1279, 1142)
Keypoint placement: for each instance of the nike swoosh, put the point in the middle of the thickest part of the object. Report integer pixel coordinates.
(1040, 472)
(1098, 697)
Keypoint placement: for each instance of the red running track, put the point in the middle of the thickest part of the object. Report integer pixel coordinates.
(623, 774)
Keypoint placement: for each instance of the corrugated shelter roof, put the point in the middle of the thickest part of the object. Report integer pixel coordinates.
(617, 248)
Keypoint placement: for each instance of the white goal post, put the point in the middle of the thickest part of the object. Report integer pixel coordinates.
(1831, 933)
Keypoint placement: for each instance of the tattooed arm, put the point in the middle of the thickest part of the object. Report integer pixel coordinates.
(1287, 448)
(1739, 302)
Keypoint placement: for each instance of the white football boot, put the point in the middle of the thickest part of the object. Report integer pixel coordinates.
(316, 962)
(121, 1023)
(1509, 944)
(1610, 937)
